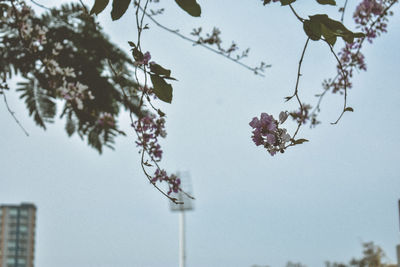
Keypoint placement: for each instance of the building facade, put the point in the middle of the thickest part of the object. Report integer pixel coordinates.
(17, 235)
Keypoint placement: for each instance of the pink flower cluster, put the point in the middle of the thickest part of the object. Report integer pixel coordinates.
(370, 19)
(144, 60)
(75, 93)
(106, 120)
(304, 115)
(149, 130)
(33, 36)
(267, 133)
(173, 181)
(366, 12)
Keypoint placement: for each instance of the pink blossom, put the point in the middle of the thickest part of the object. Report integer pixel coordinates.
(267, 133)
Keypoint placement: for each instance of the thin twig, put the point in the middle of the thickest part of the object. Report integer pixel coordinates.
(40, 5)
(139, 130)
(344, 74)
(296, 91)
(176, 32)
(84, 7)
(295, 13)
(321, 96)
(13, 113)
(343, 11)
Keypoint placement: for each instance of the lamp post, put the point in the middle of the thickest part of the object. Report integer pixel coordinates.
(398, 246)
(182, 208)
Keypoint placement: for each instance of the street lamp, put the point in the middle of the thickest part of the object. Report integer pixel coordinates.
(398, 246)
(187, 204)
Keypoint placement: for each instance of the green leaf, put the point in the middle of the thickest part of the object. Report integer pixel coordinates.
(349, 109)
(359, 35)
(333, 28)
(137, 55)
(287, 2)
(313, 29)
(99, 6)
(162, 114)
(94, 140)
(329, 36)
(119, 8)
(39, 104)
(349, 37)
(131, 44)
(300, 141)
(70, 126)
(327, 2)
(161, 88)
(190, 6)
(159, 70)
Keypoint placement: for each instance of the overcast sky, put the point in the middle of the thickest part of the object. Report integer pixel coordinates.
(317, 202)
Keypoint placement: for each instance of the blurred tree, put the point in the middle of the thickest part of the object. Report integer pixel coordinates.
(373, 256)
(63, 55)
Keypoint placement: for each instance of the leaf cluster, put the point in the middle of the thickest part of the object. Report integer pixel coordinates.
(119, 7)
(94, 59)
(321, 25)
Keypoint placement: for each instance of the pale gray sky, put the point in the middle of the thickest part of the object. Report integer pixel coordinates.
(316, 202)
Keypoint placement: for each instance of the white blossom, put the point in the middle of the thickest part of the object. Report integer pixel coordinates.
(91, 96)
(26, 29)
(79, 103)
(69, 72)
(81, 87)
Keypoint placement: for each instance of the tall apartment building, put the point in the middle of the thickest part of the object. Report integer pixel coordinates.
(17, 235)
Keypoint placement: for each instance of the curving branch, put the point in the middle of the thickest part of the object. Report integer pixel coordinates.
(12, 113)
(256, 70)
(346, 68)
(344, 75)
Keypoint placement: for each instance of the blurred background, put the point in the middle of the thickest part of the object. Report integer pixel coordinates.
(317, 202)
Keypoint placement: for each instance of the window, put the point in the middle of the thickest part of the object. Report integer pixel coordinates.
(23, 212)
(23, 228)
(11, 244)
(13, 212)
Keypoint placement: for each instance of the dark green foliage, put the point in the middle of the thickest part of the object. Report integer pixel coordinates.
(287, 2)
(321, 25)
(327, 2)
(300, 141)
(190, 6)
(40, 105)
(98, 64)
(159, 70)
(158, 75)
(119, 8)
(312, 29)
(161, 88)
(99, 6)
(70, 125)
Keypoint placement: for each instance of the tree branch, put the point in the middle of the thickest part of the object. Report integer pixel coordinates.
(256, 70)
